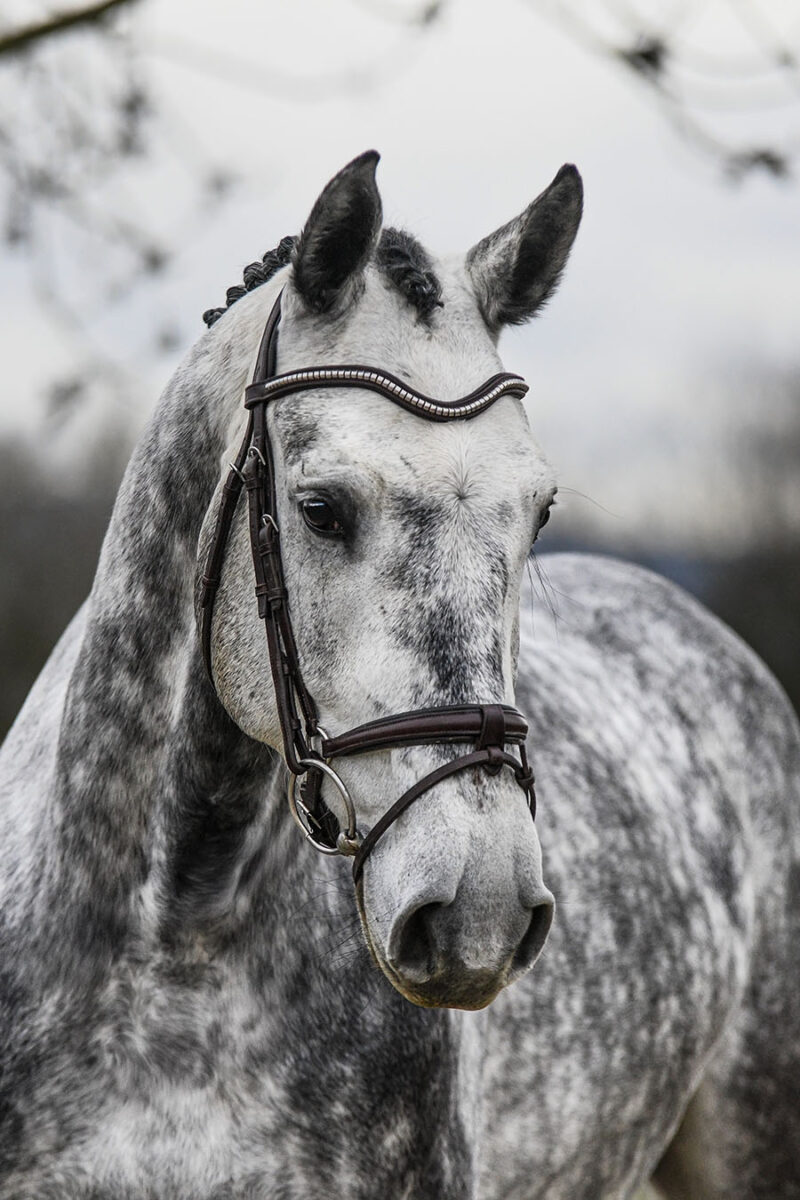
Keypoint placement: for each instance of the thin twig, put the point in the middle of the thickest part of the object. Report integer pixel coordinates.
(28, 35)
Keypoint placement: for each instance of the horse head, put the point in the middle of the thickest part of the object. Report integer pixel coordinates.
(402, 544)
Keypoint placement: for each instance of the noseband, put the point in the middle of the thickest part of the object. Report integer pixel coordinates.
(490, 728)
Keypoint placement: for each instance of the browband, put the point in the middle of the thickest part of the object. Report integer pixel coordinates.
(391, 387)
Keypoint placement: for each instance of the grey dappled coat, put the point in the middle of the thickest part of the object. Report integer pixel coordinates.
(188, 1006)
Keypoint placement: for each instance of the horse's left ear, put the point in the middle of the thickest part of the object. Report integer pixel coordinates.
(517, 268)
(340, 235)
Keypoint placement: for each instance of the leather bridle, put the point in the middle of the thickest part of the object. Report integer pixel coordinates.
(490, 728)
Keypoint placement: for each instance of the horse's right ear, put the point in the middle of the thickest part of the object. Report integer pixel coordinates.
(340, 235)
(517, 268)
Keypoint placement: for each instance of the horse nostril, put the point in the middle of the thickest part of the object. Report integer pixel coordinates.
(414, 950)
(535, 937)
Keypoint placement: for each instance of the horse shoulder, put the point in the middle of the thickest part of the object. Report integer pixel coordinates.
(670, 719)
(627, 631)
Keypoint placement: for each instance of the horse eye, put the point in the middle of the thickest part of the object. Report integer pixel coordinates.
(545, 517)
(321, 516)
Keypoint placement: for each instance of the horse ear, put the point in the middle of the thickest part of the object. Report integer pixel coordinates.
(517, 268)
(340, 235)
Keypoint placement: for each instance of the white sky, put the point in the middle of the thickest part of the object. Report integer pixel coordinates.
(678, 282)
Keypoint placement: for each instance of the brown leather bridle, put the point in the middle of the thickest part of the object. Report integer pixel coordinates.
(489, 727)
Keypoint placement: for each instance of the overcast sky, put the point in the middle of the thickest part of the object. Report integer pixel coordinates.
(680, 284)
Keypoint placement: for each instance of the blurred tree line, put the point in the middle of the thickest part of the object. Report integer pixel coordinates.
(752, 582)
(49, 542)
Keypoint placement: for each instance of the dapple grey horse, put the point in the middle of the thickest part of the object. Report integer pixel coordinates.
(195, 1004)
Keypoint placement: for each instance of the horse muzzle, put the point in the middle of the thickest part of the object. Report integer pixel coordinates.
(430, 968)
(453, 905)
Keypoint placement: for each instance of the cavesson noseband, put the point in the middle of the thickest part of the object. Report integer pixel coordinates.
(489, 727)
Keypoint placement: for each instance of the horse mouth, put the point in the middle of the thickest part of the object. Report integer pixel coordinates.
(453, 988)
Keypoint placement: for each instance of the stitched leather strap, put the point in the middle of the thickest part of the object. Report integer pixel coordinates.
(490, 726)
(457, 723)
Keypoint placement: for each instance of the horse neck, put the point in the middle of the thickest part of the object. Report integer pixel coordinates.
(157, 792)
(169, 837)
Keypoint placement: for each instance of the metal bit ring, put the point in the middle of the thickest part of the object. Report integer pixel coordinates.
(348, 840)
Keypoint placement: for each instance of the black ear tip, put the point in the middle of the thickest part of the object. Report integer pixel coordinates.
(571, 177)
(340, 234)
(368, 161)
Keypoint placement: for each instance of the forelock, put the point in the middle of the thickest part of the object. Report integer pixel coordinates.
(409, 268)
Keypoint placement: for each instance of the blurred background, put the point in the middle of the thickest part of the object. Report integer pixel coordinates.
(150, 148)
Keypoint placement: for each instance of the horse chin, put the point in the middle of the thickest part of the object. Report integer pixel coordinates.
(469, 991)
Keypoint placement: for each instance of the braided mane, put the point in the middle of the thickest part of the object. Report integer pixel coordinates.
(254, 274)
(399, 256)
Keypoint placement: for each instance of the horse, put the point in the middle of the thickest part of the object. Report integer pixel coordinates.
(197, 1004)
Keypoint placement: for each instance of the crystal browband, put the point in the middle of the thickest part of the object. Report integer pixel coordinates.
(389, 386)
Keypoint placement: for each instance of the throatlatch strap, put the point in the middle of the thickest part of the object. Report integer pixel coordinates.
(231, 490)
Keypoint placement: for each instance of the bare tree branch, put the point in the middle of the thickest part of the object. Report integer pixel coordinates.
(29, 35)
